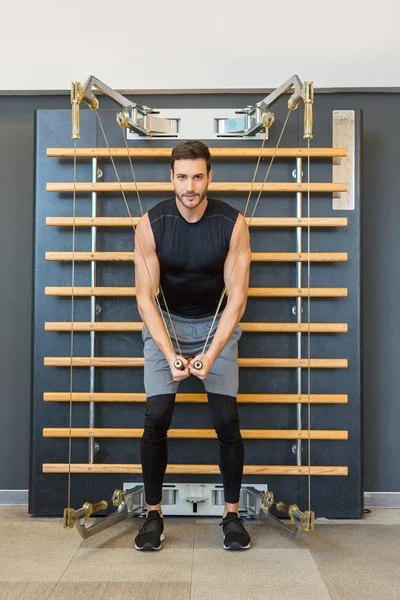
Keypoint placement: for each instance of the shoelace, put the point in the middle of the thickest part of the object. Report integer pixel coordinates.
(148, 520)
(229, 519)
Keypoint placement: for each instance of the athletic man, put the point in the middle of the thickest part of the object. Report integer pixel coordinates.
(191, 244)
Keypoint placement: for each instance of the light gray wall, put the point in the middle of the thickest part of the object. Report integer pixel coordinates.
(215, 45)
(380, 273)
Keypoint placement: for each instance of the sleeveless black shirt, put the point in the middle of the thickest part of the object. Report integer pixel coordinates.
(192, 256)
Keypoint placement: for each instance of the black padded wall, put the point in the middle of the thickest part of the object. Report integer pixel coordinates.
(331, 496)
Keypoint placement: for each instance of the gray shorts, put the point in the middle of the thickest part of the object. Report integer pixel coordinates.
(223, 377)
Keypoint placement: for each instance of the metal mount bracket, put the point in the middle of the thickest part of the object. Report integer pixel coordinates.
(260, 502)
(129, 504)
(255, 115)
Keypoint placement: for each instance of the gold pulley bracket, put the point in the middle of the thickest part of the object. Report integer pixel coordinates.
(268, 499)
(77, 96)
(76, 99)
(122, 119)
(72, 516)
(93, 508)
(294, 102)
(308, 520)
(268, 120)
(304, 519)
(118, 497)
(307, 95)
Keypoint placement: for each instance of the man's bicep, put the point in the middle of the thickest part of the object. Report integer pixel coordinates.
(238, 277)
(237, 264)
(147, 267)
(147, 273)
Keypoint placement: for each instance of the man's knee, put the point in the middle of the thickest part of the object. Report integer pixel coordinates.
(158, 415)
(225, 419)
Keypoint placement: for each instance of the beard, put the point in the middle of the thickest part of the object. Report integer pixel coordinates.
(191, 203)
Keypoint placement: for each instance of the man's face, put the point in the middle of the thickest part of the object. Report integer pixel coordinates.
(190, 181)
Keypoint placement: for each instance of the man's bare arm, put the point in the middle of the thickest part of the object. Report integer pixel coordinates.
(146, 263)
(237, 284)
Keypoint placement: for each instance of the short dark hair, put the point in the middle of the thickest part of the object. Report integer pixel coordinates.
(191, 149)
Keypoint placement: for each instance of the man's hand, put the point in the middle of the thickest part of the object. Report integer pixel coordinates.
(207, 364)
(178, 374)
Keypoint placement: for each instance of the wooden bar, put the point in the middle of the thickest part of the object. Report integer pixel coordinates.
(138, 361)
(186, 469)
(215, 152)
(196, 398)
(246, 327)
(248, 434)
(252, 292)
(298, 257)
(295, 292)
(294, 327)
(255, 256)
(167, 187)
(254, 222)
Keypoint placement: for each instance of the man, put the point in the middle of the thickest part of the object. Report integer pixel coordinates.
(191, 244)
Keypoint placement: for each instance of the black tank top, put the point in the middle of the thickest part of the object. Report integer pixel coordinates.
(192, 256)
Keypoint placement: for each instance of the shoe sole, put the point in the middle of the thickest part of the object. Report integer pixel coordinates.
(149, 547)
(236, 546)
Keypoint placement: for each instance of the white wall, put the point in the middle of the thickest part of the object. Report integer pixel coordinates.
(208, 44)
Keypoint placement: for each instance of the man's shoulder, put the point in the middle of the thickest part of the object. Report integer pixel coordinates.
(222, 207)
(161, 208)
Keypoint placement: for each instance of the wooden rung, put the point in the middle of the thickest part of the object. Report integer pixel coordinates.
(177, 469)
(137, 361)
(294, 327)
(252, 292)
(255, 256)
(196, 398)
(167, 187)
(255, 222)
(248, 434)
(215, 152)
(299, 256)
(246, 327)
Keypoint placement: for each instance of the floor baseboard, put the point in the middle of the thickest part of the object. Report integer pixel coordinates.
(382, 499)
(11, 497)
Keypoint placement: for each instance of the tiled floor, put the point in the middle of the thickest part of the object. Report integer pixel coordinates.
(341, 560)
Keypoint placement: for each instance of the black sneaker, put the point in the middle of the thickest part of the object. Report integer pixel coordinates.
(150, 533)
(235, 535)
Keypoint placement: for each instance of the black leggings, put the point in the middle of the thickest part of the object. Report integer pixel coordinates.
(154, 453)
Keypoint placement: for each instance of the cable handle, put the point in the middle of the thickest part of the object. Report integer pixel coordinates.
(178, 364)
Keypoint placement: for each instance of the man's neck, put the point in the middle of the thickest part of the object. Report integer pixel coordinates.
(192, 215)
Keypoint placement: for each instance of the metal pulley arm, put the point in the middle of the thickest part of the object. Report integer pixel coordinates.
(256, 115)
(89, 98)
(133, 116)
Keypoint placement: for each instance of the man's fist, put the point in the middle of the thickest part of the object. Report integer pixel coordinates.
(206, 366)
(179, 374)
